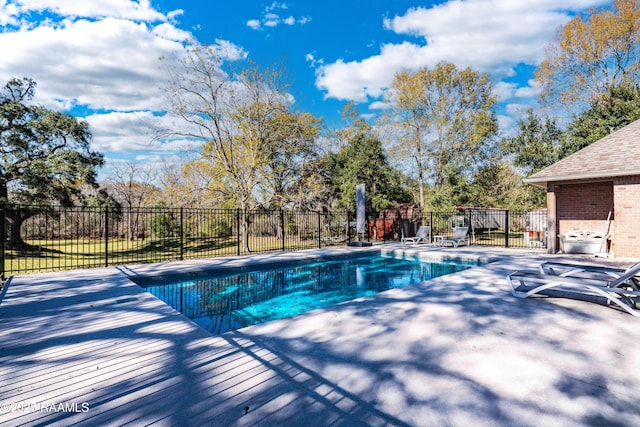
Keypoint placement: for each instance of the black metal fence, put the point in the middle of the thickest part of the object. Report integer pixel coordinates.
(38, 239)
(503, 228)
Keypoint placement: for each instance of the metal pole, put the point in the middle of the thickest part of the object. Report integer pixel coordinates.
(431, 224)
(282, 228)
(319, 232)
(181, 234)
(506, 228)
(2, 242)
(238, 232)
(106, 237)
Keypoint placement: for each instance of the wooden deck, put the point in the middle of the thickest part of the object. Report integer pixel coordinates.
(92, 348)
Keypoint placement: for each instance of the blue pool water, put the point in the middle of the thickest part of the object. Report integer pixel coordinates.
(223, 303)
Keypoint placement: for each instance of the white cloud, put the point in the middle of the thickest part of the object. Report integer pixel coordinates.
(141, 10)
(271, 18)
(170, 32)
(106, 64)
(174, 13)
(504, 90)
(8, 13)
(312, 60)
(134, 132)
(532, 90)
(379, 105)
(101, 59)
(489, 35)
(507, 125)
(275, 6)
(123, 131)
(253, 24)
(359, 81)
(517, 110)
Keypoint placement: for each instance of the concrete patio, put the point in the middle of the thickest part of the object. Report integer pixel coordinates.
(91, 347)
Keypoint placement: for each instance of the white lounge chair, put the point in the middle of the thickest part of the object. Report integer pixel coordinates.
(422, 235)
(570, 269)
(621, 290)
(459, 237)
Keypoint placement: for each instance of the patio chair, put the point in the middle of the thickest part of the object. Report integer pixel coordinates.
(571, 269)
(621, 290)
(422, 235)
(459, 237)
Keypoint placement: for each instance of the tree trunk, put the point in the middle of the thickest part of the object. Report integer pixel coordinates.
(15, 217)
(420, 166)
(246, 223)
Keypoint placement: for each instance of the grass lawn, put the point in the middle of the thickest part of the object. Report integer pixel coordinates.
(50, 255)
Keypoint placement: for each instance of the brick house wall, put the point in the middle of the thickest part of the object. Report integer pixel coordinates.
(585, 206)
(582, 186)
(626, 240)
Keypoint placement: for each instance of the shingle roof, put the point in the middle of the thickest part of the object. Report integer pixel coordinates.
(617, 154)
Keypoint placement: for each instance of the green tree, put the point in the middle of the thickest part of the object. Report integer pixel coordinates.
(164, 225)
(612, 111)
(99, 203)
(498, 185)
(45, 154)
(293, 147)
(363, 160)
(101, 200)
(445, 120)
(536, 145)
(315, 189)
(590, 56)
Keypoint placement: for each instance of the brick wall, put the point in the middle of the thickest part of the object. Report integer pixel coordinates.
(626, 240)
(584, 206)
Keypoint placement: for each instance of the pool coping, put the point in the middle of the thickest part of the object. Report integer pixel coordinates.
(202, 274)
(269, 260)
(144, 274)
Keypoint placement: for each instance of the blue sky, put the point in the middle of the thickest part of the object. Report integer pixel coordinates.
(98, 59)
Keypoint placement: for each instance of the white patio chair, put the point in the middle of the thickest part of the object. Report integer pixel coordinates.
(423, 235)
(459, 237)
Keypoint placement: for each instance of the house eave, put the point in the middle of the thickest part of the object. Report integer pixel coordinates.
(543, 181)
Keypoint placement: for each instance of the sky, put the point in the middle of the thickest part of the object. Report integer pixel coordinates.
(99, 59)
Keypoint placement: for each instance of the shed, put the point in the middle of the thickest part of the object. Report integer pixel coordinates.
(597, 188)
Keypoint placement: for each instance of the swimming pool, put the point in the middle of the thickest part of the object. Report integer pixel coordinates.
(224, 302)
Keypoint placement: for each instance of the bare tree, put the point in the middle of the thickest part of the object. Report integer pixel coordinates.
(245, 124)
(591, 55)
(132, 186)
(445, 120)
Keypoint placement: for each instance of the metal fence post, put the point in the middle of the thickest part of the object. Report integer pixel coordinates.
(238, 232)
(283, 230)
(506, 228)
(181, 234)
(2, 243)
(106, 237)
